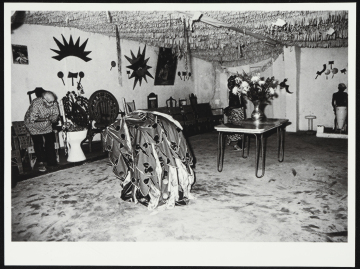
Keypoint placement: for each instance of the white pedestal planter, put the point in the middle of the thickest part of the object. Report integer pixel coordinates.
(75, 153)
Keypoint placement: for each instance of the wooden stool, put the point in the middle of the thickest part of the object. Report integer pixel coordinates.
(310, 123)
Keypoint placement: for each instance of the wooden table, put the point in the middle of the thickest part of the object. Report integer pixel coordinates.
(258, 129)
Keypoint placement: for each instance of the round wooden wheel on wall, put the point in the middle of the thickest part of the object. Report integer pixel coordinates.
(103, 107)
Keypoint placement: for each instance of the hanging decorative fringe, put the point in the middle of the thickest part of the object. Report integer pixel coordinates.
(308, 29)
(118, 49)
(251, 57)
(268, 64)
(262, 68)
(108, 14)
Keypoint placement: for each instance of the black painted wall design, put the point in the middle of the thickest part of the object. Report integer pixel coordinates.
(71, 49)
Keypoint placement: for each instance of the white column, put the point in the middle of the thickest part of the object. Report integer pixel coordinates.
(291, 70)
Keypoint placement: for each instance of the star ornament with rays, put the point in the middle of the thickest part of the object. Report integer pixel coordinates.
(71, 49)
(139, 67)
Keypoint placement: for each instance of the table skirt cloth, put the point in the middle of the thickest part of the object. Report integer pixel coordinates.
(151, 158)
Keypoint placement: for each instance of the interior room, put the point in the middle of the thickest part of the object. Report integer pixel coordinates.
(200, 124)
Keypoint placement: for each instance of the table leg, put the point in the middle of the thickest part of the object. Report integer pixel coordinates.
(248, 145)
(281, 138)
(57, 145)
(221, 148)
(259, 151)
(243, 136)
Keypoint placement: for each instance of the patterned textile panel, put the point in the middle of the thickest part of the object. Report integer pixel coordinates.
(236, 115)
(151, 157)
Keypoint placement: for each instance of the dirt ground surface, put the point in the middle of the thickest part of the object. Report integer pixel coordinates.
(303, 199)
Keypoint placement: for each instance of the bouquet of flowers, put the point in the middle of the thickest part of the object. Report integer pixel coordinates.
(255, 88)
(76, 112)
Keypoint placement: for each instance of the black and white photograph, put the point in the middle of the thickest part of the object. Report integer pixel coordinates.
(20, 54)
(166, 67)
(247, 149)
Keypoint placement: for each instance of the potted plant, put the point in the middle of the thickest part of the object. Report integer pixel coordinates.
(76, 121)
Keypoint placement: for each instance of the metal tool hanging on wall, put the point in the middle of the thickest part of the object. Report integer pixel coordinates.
(72, 76)
(327, 72)
(81, 75)
(334, 71)
(79, 86)
(113, 64)
(61, 75)
(318, 73)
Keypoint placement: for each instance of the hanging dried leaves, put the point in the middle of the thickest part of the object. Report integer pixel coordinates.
(165, 29)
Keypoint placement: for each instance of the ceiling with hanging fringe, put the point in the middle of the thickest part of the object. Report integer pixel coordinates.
(238, 37)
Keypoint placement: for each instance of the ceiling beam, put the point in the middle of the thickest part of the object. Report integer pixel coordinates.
(243, 30)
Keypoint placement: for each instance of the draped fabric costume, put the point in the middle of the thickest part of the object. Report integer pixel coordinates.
(235, 113)
(151, 158)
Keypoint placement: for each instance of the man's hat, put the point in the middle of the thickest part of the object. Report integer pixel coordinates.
(39, 91)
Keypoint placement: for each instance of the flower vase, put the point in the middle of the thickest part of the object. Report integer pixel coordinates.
(257, 115)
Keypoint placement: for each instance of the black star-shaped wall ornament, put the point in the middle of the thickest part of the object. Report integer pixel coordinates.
(139, 66)
(71, 49)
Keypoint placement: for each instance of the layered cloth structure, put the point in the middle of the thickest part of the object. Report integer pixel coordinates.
(152, 159)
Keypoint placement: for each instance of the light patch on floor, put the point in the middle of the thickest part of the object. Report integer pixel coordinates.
(303, 199)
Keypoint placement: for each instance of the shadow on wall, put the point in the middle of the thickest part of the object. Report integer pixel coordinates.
(17, 19)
